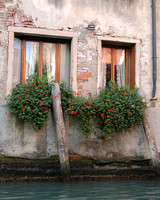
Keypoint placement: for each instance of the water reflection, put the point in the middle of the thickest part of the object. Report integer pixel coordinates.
(126, 190)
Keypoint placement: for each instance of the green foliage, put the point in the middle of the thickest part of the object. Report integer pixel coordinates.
(118, 109)
(32, 101)
(114, 110)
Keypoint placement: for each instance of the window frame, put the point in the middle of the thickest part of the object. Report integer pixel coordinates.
(43, 33)
(134, 54)
(41, 42)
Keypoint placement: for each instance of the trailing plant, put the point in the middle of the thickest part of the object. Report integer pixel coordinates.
(118, 109)
(32, 101)
(114, 109)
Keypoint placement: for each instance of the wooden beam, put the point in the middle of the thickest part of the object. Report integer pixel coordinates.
(23, 62)
(112, 64)
(132, 67)
(127, 66)
(57, 63)
(61, 133)
(40, 58)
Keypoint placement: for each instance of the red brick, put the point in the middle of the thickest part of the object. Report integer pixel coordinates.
(2, 6)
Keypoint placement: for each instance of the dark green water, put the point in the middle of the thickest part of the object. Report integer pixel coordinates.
(148, 189)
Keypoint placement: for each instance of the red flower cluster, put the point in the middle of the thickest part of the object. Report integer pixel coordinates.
(37, 86)
(85, 105)
(23, 109)
(32, 84)
(74, 112)
(111, 110)
(101, 114)
(130, 113)
(46, 111)
(41, 103)
(19, 98)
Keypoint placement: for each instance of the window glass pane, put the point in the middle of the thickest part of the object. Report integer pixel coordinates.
(120, 66)
(17, 61)
(65, 63)
(32, 58)
(49, 59)
(106, 65)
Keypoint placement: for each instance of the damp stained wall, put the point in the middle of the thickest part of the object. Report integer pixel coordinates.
(127, 19)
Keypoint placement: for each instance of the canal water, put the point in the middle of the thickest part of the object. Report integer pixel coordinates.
(146, 189)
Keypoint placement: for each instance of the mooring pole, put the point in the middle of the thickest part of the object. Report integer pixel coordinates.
(150, 137)
(61, 133)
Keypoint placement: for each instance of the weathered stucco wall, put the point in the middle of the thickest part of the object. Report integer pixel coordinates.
(129, 19)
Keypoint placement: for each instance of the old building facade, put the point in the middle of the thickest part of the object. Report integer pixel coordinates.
(89, 34)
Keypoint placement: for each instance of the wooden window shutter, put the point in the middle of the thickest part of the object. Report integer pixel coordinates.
(23, 61)
(132, 67)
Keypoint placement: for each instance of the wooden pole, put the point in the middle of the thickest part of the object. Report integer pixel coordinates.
(61, 133)
(151, 142)
(150, 137)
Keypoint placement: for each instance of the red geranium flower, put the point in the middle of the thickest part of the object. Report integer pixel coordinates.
(32, 84)
(46, 111)
(100, 122)
(41, 103)
(51, 97)
(37, 86)
(130, 113)
(23, 109)
(91, 111)
(85, 105)
(111, 110)
(71, 109)
(116, 120)
(19, 97)
(108, 116)
(43, 93)
(101, 114)
(125, 94)
(35, 113)
(26, 90)
(78, 115)
(43, 90)
(74, 112)
(110, 93)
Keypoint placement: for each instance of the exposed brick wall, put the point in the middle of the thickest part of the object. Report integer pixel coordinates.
(10, 15)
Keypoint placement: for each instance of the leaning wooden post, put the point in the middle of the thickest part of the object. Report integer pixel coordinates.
(150, 137)
(61, 133)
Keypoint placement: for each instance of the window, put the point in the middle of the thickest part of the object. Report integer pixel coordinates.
(45, 56)
(66, 39)
(118, 59)
(117, 64)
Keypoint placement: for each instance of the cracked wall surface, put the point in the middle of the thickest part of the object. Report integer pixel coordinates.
(129, 19)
